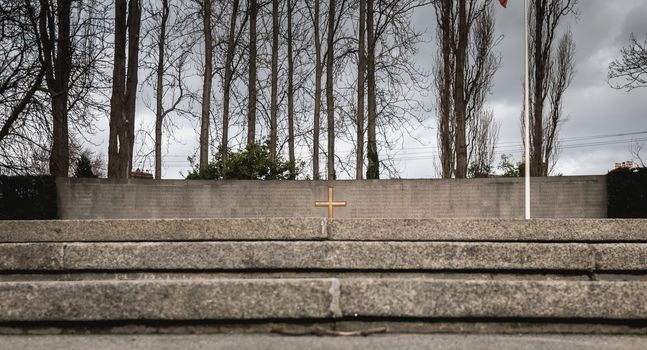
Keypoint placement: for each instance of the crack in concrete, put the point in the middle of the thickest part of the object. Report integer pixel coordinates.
(64, 256)
(335, 293)
(594, 258)
(325, 229)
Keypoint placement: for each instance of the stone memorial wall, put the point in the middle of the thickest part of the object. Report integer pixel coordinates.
(552, 197)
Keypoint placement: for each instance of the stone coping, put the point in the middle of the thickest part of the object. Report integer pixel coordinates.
(495, 230)
(324, 255)
(326, 298)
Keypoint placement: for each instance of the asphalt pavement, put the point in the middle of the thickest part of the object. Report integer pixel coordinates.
(374, 342)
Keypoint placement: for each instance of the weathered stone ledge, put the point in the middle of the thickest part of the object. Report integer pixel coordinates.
(163, 230)
(498, 230)
(323, 255)
(320, 299)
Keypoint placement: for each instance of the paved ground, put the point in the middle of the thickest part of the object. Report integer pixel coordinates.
(376, 342)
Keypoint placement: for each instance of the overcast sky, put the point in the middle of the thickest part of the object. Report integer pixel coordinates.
(591, 106)
(599, 118)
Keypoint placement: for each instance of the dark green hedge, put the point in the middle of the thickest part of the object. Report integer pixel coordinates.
(28, 198)
(627, 193)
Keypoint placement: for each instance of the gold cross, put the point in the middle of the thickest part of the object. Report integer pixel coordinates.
(330, 203)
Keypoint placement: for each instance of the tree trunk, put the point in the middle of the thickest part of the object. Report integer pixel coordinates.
(373, 170)
(231, 47)
(274, 108)
(159, 90)
(251, 102)
(57, 57)
(134, 24)
(117, 100)
(317, 98)
(537, 128)
(60, 157)
(330, 98)
(291, 156)
(361, 72)
(124, 89)
(206, 84)
(459, 92)
(63, 65)
(445, 86)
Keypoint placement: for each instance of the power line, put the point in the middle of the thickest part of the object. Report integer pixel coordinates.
(431, 152)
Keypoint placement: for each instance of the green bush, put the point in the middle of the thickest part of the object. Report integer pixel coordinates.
(83, 167)
(252, 163)
(510, 169)
(627, 193)
(477, 171)
(28, 198)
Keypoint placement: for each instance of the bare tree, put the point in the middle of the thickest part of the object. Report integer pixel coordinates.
(206, 9)
(290, 92)
(274, 108)
(373, 170)
(460, 101)
(464, 70)
(483, 136)
(251, 85)
(233, 38)
(167, 46)
(317, 93)
(392, 77)
(124, 88)
(297, 82)
(631, 69)
(62, 34)
(361, 92)
(159, 88)
(443, 85)
(330, 99)
(636, 149)
(54, 32)
(551, 73)
(21, 71)
(55, 78)
(561, 75)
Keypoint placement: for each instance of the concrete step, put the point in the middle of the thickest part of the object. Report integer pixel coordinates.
(75, 276)
(235, 270)
(323, 255)
(500, 230)
(320, 299)
(163, 230)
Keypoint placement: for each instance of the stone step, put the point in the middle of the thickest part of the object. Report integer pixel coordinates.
(163, 230)
(323, 255)
(321, 299)
(74, 276)
(500, 230)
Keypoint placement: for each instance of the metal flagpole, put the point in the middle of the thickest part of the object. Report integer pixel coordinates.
(527, 115)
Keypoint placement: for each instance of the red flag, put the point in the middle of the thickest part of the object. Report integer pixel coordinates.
(504, 3)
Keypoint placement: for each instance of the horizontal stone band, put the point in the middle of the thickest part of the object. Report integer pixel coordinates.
(231, 299)
(499, 230)
(323, 255)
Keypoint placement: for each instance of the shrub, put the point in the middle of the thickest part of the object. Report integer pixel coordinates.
(28, 198)
(83, 167)
(627, 193)
(510, 169)
(252, 163)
